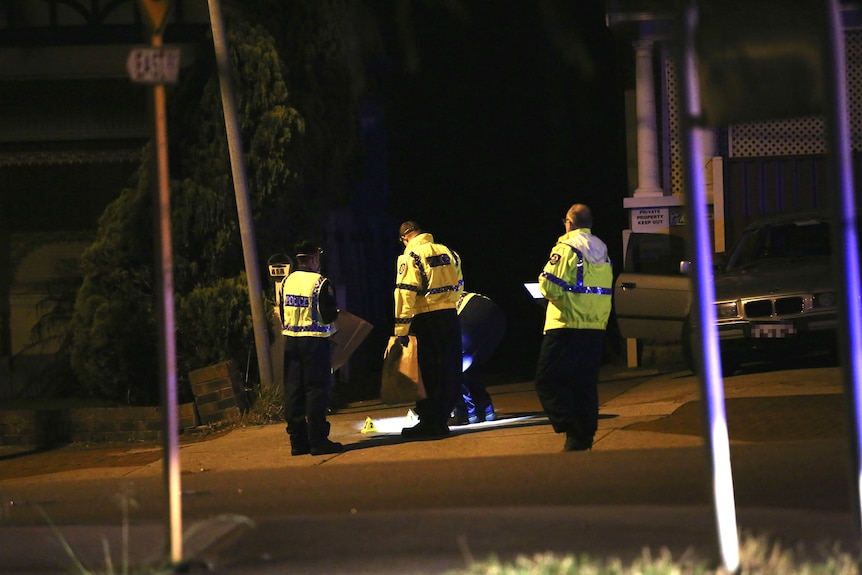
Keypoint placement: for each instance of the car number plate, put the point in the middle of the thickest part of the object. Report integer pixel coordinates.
(772, 330)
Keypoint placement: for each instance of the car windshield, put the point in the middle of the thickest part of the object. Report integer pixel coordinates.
(786, 240)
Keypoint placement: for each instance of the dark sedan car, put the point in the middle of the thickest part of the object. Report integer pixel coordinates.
(774, 291)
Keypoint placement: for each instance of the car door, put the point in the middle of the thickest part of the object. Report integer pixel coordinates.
(652, 295)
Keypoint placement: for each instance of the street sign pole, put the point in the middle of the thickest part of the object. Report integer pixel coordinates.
(164, 269)
(157, 11)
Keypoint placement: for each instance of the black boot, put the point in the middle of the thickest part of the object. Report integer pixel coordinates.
(325, 447)
(318, 432)
(298, 433)
(577, 443)
(578, 439)
(426, 429)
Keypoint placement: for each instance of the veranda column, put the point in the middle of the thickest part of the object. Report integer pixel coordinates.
(648, 164)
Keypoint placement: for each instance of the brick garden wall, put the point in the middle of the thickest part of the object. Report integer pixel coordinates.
(44, 428)
(219, 397)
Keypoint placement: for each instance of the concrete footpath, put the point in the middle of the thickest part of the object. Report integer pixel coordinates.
(641, 411)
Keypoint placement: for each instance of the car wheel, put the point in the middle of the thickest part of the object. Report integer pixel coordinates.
(729, 363)
(730, 360)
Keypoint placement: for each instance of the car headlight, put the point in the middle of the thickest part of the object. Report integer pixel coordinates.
(823, 299)
(726, 310)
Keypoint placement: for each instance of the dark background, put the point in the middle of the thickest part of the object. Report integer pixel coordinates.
(509, 119)
(495, 119)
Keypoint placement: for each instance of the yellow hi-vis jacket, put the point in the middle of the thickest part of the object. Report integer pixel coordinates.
(428, 279)
(577, 281)
(300, 304)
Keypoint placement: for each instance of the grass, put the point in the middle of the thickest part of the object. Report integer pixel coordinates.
(267, 406)
(757, 557)
(124, 567)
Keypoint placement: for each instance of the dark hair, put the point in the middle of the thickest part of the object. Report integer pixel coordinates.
(407, 227)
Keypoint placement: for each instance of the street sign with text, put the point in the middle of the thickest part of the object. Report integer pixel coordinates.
(154, 65)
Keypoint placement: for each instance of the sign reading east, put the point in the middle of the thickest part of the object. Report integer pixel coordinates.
(154, 65)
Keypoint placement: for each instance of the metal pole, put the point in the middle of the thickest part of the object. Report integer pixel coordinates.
(717, 440)
(243, 205)
(844, 236)
(168, 348)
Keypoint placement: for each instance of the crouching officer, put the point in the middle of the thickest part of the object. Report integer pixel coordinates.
(483, 325)
(308, 311)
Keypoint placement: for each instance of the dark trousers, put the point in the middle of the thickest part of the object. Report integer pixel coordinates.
(473, 392)
(438, 336)
(307, 386)
(483, 325)
(567, 377)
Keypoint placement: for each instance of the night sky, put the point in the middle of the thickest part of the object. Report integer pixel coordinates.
(498, 134)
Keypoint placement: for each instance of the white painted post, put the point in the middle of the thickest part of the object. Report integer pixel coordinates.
(703, 306)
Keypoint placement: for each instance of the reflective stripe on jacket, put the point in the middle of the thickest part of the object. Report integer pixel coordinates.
(300, 299)
(577, 281)
(428, 279)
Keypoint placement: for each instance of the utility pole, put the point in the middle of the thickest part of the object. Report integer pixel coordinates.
(243, 205)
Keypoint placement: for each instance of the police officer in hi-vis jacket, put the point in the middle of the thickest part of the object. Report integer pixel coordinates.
(577, 281)
(308, 310)
(428, 285)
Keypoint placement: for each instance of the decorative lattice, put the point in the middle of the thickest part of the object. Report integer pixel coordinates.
(672, 119)
(795, 137)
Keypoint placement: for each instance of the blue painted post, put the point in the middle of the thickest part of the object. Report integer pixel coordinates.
(844, 236)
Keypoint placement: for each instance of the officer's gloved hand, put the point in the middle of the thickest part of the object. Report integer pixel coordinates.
(403, 340)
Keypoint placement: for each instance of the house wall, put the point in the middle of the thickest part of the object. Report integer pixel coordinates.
(31, 289)
(39, 262)
(769, 167)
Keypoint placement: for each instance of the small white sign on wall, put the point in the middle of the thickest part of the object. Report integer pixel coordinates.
(649, 219)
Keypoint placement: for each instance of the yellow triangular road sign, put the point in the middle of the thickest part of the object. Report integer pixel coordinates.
(157, 10)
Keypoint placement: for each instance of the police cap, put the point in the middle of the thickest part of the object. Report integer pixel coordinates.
(306, 248)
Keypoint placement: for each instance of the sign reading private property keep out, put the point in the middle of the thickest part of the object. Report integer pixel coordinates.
(649, 219)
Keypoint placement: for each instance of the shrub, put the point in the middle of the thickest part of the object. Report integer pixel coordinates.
(114, 351)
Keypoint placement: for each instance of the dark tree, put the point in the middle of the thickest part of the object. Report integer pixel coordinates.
(296, 123)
